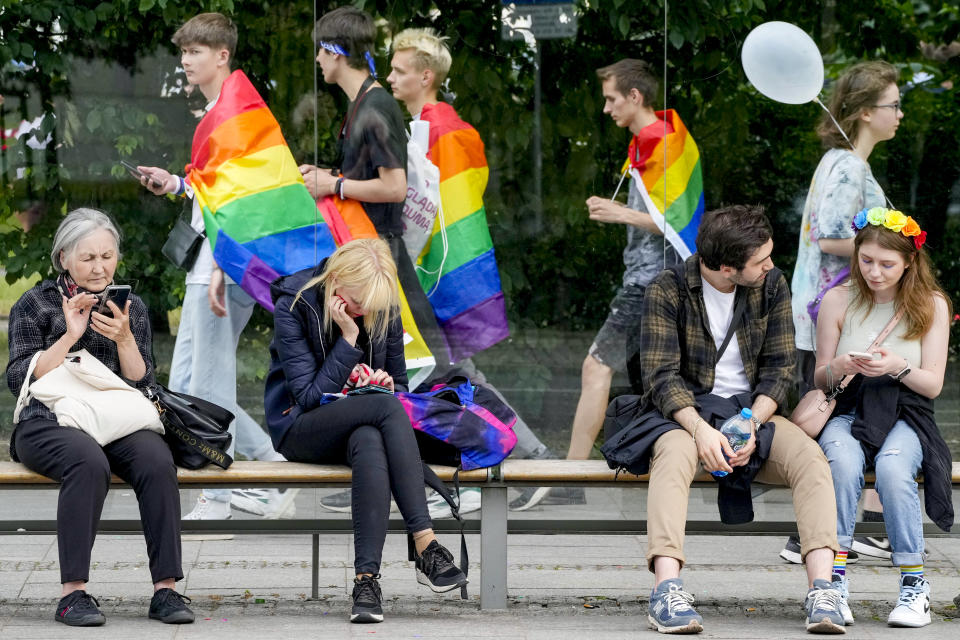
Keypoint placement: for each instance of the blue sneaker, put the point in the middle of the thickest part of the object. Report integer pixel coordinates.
(671, 611)
(823, 607)
(841, 585)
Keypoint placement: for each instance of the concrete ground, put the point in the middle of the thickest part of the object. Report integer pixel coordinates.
(560, 586)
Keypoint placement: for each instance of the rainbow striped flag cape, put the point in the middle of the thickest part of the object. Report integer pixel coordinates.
(260, 219)
(461, 278)
(673, 192)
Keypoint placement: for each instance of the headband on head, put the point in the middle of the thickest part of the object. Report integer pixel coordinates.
(891, 219)
(335, 48)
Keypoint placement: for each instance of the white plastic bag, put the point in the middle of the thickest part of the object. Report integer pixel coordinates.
(423, 191)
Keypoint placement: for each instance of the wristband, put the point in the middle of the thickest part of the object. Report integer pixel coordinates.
(181, 186)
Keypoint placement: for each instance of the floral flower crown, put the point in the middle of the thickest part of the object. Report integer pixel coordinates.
(892, 219)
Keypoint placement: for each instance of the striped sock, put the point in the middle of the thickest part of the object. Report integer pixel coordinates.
(840, 563)
(911, 570)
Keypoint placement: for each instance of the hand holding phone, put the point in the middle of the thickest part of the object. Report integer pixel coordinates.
(118, 294)
(140, 175)
(863, 355)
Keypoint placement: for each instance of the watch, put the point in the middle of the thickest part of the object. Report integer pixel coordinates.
(902, 373)
(756, 421)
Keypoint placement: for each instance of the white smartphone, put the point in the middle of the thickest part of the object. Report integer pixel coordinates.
(863, 355)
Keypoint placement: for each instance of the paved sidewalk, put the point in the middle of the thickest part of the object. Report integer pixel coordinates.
(561, 586)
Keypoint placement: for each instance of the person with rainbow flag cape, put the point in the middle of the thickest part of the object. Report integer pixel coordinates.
(456, 265)
(368, 187)
(240, 167)
(665, 202)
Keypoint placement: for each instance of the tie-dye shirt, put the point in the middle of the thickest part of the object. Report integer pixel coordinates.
(841, 186)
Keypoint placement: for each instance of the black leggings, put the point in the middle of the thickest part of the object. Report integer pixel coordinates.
(372, 434)
(82, 467)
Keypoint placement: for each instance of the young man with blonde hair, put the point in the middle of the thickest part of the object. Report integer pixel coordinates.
(418, 69)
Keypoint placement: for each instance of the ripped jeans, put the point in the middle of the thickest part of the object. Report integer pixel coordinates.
(897, 465)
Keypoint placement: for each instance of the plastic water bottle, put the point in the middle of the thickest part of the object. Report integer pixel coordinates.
(737, 429)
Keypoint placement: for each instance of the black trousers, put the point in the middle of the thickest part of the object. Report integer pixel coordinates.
(372, 434)
(83, 467)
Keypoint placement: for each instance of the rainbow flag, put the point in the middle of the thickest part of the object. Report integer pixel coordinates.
(673, 192)
(260, 219)
(461, 279)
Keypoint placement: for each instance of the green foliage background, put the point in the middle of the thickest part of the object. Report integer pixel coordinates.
(558, 268)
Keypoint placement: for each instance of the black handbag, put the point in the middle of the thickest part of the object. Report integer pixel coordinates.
(195, 430)
(183, 244)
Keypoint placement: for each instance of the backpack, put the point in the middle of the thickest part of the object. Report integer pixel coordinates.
(461, 424)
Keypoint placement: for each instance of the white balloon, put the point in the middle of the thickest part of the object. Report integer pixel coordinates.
(783, 62)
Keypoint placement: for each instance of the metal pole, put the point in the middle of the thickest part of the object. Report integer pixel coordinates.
(537, 145)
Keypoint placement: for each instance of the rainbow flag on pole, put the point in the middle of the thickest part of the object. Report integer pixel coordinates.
(460, 276)
(260, 219)
(673, 192)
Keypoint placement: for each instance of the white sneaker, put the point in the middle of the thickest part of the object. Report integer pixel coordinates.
(439, 509)
(209, 510)
(841, 585)
(913, 605)
(271, 504)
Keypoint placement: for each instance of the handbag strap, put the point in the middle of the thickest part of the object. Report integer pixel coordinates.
(876, 343)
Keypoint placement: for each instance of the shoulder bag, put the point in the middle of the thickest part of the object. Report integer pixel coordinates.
(183, 244)
(816, 406)
(195, 430)
(85, 394)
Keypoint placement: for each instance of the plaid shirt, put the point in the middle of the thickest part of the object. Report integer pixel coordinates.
(678, 367)
(36, 322)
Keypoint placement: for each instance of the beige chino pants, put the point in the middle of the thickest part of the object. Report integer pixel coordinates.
(795, 461)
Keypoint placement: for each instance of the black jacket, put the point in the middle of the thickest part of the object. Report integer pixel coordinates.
(306, 363)
(630, 434)
(881, 402)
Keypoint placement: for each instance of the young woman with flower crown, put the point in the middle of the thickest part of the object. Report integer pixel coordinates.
(884, 418)
(866, 104)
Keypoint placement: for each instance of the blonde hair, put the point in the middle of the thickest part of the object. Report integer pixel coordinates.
(367, 267)
(429, 52)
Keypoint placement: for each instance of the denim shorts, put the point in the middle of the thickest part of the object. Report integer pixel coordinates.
(619, 337)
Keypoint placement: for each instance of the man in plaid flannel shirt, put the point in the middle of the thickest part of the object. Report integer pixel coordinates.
(682, 372)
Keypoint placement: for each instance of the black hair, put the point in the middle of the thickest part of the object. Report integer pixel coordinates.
(350, 28)
(730, 235)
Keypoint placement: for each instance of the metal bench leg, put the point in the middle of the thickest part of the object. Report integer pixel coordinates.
(493, 548)
(315, 578)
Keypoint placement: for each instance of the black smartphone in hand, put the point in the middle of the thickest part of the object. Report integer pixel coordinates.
(370, 388)
(139, 175)
(118, 293)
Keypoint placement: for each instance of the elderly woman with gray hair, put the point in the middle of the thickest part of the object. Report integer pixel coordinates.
(57, 317)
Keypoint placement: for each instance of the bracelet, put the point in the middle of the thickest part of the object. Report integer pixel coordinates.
(829, 377)
(696, 428)
(900, 375)
(181, 186)
(338, 188)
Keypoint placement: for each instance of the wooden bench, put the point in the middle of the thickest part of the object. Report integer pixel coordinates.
(494, 524)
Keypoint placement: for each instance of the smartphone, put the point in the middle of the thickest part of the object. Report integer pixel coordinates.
(370, 388)
(863, 355)
(118, 293)
(136, 173)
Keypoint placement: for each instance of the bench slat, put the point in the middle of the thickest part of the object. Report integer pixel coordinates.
(243, 471)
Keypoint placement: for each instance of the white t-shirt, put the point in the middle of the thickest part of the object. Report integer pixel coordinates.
(203, 267)
(730, 378)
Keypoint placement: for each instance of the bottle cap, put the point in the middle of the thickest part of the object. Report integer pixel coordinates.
(746, 414)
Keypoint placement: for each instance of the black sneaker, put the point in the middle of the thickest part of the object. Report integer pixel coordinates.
(873, 547)
(533, 496)
(791, 552)
(367, 600)
(170, 607)
(435, 569)
(79, 609)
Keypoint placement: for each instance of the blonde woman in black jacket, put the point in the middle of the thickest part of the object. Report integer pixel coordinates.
(336, 324)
